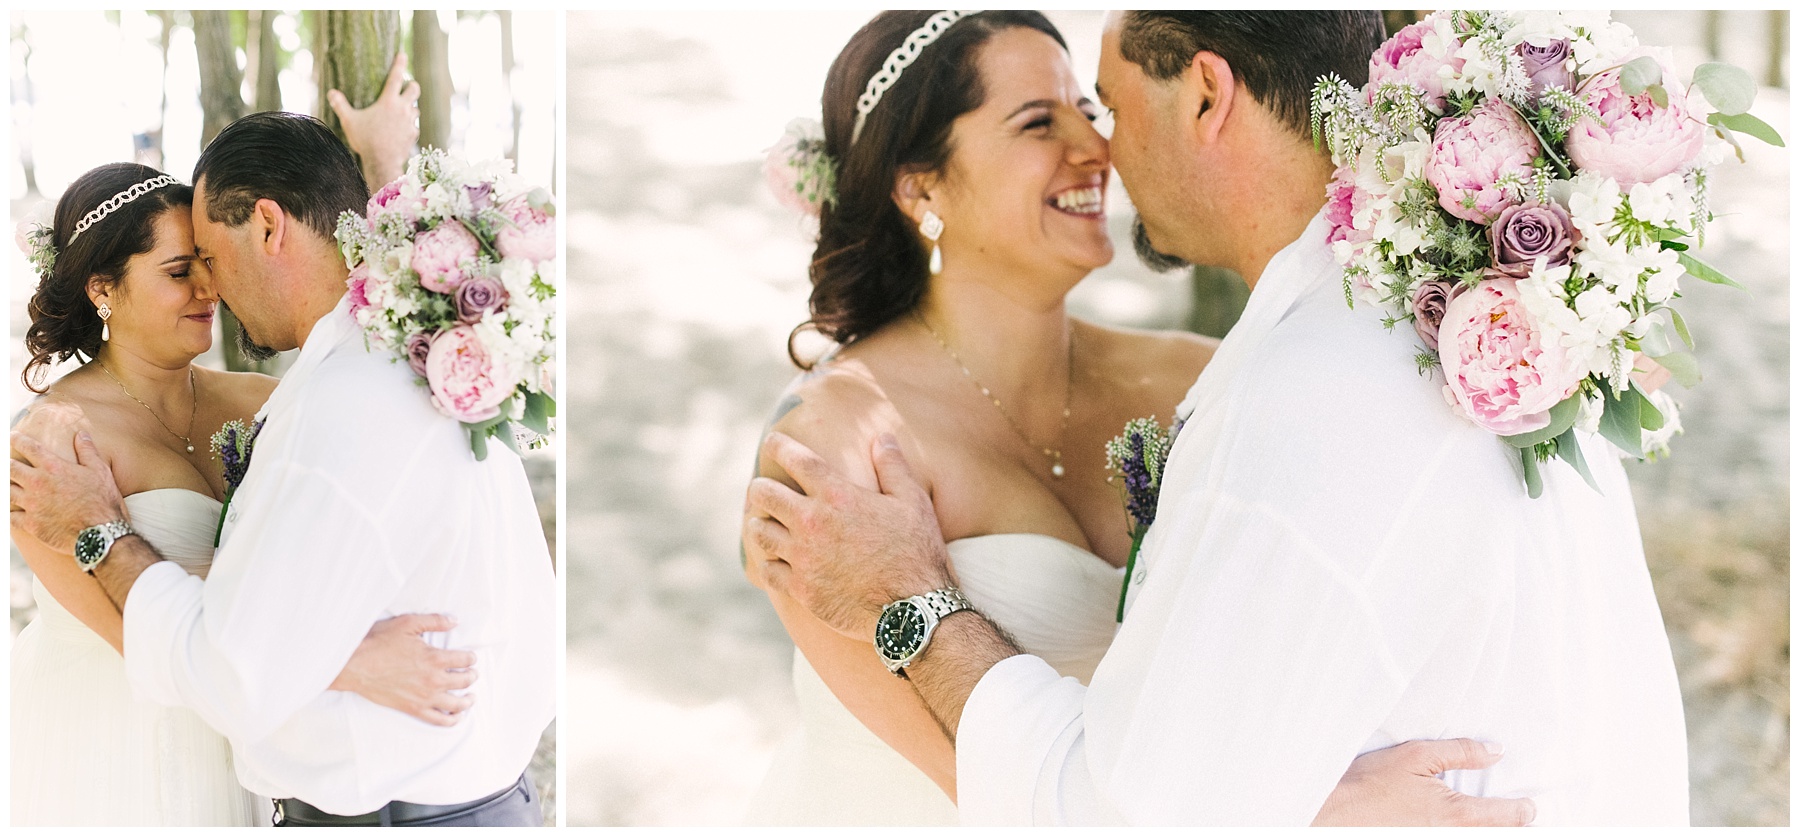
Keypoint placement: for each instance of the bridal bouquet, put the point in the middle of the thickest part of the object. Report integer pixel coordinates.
(453, 269)
(1523, 187)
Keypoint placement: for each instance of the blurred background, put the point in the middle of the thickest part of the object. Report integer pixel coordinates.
(154, 87)
(689, 277)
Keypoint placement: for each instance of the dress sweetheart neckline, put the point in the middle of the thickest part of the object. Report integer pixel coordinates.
(201, 494)
(1071, 547)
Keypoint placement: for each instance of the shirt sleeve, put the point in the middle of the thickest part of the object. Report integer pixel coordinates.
(292, 592)
(1240, 687)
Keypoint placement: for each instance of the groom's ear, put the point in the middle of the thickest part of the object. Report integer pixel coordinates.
(269, 225)
(1208, 94)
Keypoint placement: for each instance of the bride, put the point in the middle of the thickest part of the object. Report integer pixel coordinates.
(959, 344)
(118, 283)
(968, 200)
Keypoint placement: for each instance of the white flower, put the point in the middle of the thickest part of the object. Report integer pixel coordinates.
(1656, 442)
(1591, 408)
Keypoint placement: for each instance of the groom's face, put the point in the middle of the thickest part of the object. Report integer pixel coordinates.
(231, 257)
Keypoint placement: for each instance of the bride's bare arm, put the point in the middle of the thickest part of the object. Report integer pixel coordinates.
(838, 418)
(54, 424)
(396, 668)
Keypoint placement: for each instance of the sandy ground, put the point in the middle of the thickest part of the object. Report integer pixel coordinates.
(687, 278)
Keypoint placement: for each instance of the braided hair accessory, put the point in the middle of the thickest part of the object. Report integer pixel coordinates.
(897, 61)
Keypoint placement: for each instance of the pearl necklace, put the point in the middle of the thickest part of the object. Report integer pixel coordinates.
(1054, 454)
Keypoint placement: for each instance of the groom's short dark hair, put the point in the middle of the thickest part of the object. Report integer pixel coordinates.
(1277, 55)
(289, 158)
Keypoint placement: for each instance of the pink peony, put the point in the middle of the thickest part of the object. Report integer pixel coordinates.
(1403, 59)
(466, 382)
(1472, 154)
(530, 236)
(1503, 372)
(1635, 141)
(387, 199)
(1342, 200)
(357, 288)
(441, 256)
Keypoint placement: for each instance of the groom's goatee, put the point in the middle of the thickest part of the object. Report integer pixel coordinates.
(1151, 257)
(251, 350)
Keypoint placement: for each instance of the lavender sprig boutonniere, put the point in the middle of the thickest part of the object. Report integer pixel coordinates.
(1136, 459)
(232, 446)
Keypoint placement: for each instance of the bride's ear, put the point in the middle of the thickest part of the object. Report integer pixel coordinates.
(271, 225)
(912, 193)
(99, 290)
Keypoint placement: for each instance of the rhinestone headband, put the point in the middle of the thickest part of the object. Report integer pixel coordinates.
(112, 204)
(898, 60)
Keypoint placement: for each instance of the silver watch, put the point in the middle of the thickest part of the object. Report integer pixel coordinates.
(92, 544)
(905, 626)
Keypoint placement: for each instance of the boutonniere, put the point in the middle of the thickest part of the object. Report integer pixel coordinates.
(1136, 458)
(232, 445)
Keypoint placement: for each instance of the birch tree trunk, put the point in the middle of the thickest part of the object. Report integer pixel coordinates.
(221, 82)
(264, 60)
(352, 51)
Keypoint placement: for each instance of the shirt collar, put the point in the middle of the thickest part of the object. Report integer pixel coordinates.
(325, 336)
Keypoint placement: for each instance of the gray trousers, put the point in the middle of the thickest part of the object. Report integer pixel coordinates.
(519, 806)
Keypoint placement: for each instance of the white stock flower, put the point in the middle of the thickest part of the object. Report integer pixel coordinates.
(1656, 442)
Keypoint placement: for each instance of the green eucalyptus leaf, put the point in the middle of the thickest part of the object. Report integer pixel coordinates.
(1728, 88)
(1652, 418)
(1623, 419)
(1744, 123)
(1704, 272)
(1683, 366)
(1655, 341)
(504, 432)
(1639, 74)
(538, 410)
(1570, 451)
(1673, 245)
(1562, 417)
(1658, 95)
(478, 445)
(1681, 327)
(1726, 135)
(1534, 482)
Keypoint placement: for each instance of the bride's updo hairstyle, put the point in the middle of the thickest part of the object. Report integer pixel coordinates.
(869, 268)
(64, 322)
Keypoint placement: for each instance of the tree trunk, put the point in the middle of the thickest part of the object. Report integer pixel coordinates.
(352, 51)
(1219, 297)
(23, 93)
(1396, 20)
(221, 82)
(1778, 38)
(264, 60)
(506, 75)
(431, 67)
(1713, 30)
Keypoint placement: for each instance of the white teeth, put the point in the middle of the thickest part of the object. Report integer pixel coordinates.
(1087, 201)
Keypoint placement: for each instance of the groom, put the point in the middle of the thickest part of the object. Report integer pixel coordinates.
(1340, 563)
(361, 502)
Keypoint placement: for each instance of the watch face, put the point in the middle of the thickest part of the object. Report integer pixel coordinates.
(900, 631)
(88, 546)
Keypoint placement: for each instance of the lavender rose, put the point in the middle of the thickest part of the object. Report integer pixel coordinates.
(440, 255)
(1635, 141)
(478, 297)
(1428, 305)
(418, 348)
(1546, 63)
(1521, 235)
(1471, 155)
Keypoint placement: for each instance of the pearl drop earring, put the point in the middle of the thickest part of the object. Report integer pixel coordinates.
(931, 227)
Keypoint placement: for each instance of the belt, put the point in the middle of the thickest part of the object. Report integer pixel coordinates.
(298, 812)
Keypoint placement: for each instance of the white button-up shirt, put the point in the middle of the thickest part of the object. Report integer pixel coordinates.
(361, 502)
(1341, 564)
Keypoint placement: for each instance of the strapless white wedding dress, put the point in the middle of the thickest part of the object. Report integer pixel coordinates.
(1056, 599)
(84, 752)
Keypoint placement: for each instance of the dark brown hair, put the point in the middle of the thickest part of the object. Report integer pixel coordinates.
(1277, 55)
(64, 322)
(289, 158)
(868, 268)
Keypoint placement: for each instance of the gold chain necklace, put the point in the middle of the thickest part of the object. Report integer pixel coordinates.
(188, 439)
(1054, 454)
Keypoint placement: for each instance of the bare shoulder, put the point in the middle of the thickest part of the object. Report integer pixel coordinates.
(838, 410)
(243, 392)
(1160, 364)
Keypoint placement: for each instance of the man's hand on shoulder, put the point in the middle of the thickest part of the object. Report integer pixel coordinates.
(842, 551)
(55, 497)
(1400, 786)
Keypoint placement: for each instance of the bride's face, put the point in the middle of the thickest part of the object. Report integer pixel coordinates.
(162, 309)
(1026, 181)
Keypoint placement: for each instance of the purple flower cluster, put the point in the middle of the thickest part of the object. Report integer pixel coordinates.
(233, 444)
(1137, 457)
